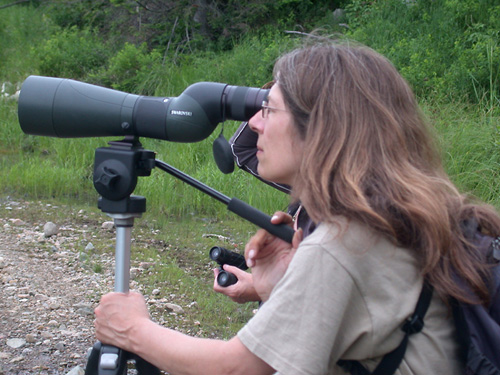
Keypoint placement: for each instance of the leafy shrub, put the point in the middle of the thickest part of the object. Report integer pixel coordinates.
(71, 53)
(477, 68)
(132, 69)
(446, 49)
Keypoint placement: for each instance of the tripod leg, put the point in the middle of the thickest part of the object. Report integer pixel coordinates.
(145, 368)
(123, 226)
(106, 360)
(93, 362)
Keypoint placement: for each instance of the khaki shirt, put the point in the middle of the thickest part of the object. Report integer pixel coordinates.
(346, 295)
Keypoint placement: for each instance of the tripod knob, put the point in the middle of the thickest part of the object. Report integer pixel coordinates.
(107, 178)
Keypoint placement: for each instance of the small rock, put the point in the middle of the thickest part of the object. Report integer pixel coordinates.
(46, 335)
(173, 307)
(134, 272)
(4, 355)
(76, 371)
(81, 305)
(17, 222)
(155, 292)
(108, 225)
(41, 297)
(50, 229)
(89, 247)
(30, 338)
(16, 343)
(54, 305)
(146, 265)
(83, 311)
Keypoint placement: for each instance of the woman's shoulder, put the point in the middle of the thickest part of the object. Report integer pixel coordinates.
(362, 251)
(347, 236)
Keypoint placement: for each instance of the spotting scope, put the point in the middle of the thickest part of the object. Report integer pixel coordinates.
(59, 107)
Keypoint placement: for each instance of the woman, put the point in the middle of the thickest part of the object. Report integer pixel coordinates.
(343, 128)
(244, 147)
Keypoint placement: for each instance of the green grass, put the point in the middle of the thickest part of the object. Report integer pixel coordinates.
(469, 138)
(52, 167)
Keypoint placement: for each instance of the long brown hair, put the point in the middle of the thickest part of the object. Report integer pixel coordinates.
(370, 156)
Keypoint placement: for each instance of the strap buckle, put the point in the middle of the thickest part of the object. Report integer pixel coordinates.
(413, 324)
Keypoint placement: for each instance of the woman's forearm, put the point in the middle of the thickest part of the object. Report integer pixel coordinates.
(180, 354)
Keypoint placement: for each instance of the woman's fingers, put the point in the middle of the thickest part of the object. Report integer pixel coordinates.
(297, 238)
(281, 217)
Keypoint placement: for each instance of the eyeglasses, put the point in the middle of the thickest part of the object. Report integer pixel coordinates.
(266, 109)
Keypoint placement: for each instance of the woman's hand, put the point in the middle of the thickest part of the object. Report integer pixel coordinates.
(118, 316)
(269, 256)
(241, 292)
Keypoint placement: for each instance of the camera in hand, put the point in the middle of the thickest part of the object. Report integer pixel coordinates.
(223, 256)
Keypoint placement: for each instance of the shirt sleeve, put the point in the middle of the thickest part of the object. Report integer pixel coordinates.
(301, 329)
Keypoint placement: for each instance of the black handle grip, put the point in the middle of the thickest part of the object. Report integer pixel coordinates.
(259, 218)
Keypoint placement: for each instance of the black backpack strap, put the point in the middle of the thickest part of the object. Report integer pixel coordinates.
(391, 361)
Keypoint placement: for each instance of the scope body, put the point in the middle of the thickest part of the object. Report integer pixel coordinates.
(58, 107)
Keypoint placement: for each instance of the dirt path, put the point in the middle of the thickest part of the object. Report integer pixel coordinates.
(47, 296)
(50, 285)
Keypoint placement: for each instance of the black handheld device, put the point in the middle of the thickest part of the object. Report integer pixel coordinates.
(223, 256)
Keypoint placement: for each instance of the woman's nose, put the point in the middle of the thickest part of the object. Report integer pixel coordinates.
(256, 122)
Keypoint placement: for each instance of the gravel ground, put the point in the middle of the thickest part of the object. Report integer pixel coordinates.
(52, 277)
(49, 286)
(46, 298)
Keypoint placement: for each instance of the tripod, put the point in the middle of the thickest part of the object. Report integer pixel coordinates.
(116, 171)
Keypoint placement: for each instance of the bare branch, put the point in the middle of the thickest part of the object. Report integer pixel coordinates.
(170, 40)
(143, 5)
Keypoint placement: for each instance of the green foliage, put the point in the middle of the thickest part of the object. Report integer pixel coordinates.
(446, 49)
(443, 48)
(20, 29)
(81, 14)
(130, 70)
(358, 13)
(469, 140)
(476, 71)
(71, 53)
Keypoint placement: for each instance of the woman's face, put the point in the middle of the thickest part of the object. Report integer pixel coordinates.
(279, 149)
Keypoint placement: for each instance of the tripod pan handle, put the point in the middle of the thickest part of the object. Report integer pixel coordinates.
(259, 218)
